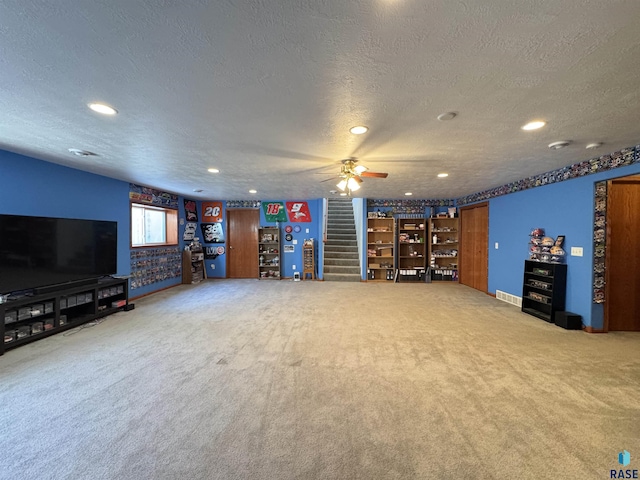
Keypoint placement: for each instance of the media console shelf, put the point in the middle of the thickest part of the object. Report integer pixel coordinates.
(34, 317)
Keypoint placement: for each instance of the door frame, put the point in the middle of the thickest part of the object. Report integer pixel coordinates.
(633, 178)
(461, 241)
(226, 228)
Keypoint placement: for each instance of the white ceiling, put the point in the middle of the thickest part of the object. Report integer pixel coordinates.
(266, 91)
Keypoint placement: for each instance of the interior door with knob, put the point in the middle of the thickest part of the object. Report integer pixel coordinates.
(242, 238)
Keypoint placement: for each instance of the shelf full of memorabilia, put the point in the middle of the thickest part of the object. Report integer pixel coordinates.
(193, 270)
(544, 248)
(544, 289)
(30, 318)
(412, 250)
(269, 249)
(380, 247)
(443, 233)
(308, 259)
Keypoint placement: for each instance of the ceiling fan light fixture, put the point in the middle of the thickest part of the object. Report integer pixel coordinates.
(360, 169)
(534, 125)
(353, 184)
(342, 184)
(359, 129)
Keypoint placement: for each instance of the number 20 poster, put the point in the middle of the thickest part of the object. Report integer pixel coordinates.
(212, 212)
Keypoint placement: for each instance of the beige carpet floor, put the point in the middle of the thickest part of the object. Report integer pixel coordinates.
(248, 379)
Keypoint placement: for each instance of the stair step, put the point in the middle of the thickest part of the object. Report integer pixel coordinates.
(341, 236)
(340, 247)
(343, 262)
(340, 243)
(339, 269)
(341, 277)
(341, 227)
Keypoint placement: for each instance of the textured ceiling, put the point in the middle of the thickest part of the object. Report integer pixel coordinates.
(266, 91)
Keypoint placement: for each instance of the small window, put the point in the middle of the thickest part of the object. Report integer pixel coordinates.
(152, 226)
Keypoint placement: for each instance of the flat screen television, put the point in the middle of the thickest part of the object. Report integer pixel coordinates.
(38, 252)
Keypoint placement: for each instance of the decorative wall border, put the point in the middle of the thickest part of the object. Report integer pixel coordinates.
(142, 194)
(599, 240)
(243, 203)
(408, 207)
(626, 156)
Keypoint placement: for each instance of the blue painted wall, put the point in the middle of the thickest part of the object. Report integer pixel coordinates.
(564, 208)
(314, 231)
(215, 268)
(33, 187)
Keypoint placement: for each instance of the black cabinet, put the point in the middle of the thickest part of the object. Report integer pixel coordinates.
(544, 289)
(33, 317)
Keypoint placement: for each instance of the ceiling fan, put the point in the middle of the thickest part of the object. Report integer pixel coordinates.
(351, 175)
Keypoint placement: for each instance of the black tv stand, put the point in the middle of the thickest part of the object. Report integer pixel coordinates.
(63, 286)
(30, 318)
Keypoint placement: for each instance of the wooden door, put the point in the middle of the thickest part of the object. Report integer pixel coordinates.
(622, 274)
(242, 235)
(474, 246)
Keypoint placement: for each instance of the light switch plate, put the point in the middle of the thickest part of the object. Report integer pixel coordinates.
(576, 251)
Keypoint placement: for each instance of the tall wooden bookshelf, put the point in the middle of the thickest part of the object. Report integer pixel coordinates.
(380, 249)
(444, 246)
(412, 249)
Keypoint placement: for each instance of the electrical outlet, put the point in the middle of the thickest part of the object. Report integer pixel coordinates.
(496, 245)
(213, 267)
(293, 267)
(576, 251)
(307, 230)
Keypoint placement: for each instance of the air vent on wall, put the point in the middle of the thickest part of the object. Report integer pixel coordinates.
(507, 297)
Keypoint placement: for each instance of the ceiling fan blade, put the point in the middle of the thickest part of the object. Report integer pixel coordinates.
(374, 174)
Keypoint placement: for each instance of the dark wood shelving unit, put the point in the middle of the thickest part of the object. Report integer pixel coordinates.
(34, 317)
(269, 253)
(544, 289)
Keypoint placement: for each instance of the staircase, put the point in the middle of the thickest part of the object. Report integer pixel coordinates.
(341, 260)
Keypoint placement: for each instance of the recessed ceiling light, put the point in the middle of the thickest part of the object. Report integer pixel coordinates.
(82, 153)
(253, 191)
(343, 194)
(594, 145)
(213, 170)
(408, 194)
(559, 145)
(442, 175)
(535, 125)
(333, 192)
(359, 130)
(443, 117)
(197, 190)
(102, 108)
